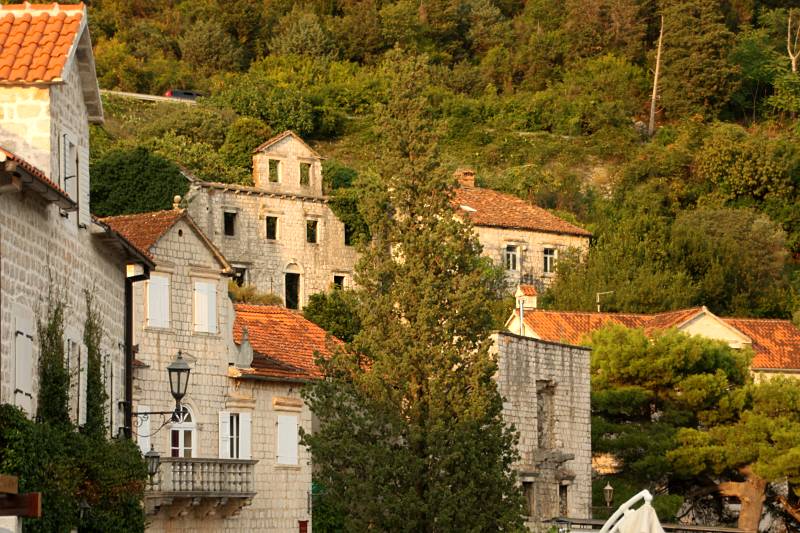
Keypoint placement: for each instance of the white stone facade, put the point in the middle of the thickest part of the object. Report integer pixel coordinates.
(280, 502)
(271, 260)
(545, 388)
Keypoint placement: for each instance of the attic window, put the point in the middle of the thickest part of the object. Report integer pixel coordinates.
(230, 223)
(274, 170)
(311, 231)
(305, 173)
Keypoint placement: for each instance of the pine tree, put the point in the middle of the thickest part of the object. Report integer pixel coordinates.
(96, 396)
(411, 436)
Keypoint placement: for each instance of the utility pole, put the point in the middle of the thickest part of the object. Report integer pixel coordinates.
(651, 128)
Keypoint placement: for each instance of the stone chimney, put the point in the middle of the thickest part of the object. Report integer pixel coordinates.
(465, 177)
(526, 296)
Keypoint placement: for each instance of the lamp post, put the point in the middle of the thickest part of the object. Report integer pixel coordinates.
(608, 494)
(178, 372)
(153, 461)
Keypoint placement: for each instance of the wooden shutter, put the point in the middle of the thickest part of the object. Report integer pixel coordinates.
(224, 434)
(23, 359)
(84, 211)
(158, 301)
(143, 431)
(200, 306)
(83, 374)
(287, 440)
(245, 432)
(211, 290)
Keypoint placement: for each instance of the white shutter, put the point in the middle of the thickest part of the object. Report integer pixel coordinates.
(200, 306)
(158, 301)
(143, 431)
(84, 211)
(287, 440)
(83, 369)
(245, 421)
(224, 435)
(23, 359)
(211, 289)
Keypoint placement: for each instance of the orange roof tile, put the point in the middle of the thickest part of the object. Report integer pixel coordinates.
(571, 327)
(486, 207)
(36, 41)
(144, 229)
(56, 192)
(528, 290)
(284, 343)
(775, 342)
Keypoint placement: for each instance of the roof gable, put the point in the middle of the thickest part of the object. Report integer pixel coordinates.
(288, 134)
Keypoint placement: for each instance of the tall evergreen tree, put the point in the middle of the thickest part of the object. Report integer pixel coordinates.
(411, 436)
(53, 398)
(96, 396)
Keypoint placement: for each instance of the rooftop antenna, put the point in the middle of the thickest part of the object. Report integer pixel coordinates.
(598, 298)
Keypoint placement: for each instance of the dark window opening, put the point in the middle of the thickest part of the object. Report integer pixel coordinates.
(349, 235)
(239, 275)
(563, 507)
(545, 392)
(272, 228)
(230, 223)
(292, 291)
(527, 497)
(305, 173)
(274, 170)
(311, 231)
(338, 282)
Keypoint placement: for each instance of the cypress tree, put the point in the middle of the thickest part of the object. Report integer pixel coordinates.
(53, 397)
(411, 436)
(96, 396)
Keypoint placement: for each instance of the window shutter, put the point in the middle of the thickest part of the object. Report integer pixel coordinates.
(211, 289)
(83, 369)
(23, 359)
(287, 440)
(245, 422)
(224, 434)
(200, 306)
(158, 301)
(143, 431)
(84, 211)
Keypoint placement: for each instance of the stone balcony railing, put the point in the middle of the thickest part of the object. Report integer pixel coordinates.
(205, 485)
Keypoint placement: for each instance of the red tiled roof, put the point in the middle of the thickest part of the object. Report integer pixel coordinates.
(528, 290)
(36, 41)
(284, 343)
(486, 207)
(775, 342)
(55, 193)
(144, 229)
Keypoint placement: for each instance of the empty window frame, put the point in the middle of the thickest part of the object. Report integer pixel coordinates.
(292, 296)
(511, 258)
(545, 405)
(272, 228)
(229, 223)
(312, 227)
(338, 281)
(274, 171)
(240, 275)
(305, 173)
(549, 260)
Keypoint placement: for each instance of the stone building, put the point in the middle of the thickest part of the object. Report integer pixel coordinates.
(545, 387)
(776, 343)
(525, 239)
(280, 235)
(49, 242)
(234, 463)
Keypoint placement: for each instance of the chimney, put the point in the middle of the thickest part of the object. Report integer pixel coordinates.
(465, 177)
(526, 296)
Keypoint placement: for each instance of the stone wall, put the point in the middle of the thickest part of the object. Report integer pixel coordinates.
(545, 387)
(281, 499)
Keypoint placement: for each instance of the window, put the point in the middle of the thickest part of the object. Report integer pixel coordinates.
(287, 440)
(272, 228)
(305, 173)
(234, 435)
(563, 501)
(274, 171)
(338, 282)
(292, 290)
(229, 219)
(549, 260)
(528, 497)
(182, 436)
(545, 392)
(349, 235)
(311, 231)
(158, 301)
(239, 275)
(512, 257)
(205, 306)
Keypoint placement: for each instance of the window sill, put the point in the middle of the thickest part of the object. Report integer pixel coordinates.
(287, 467)
(205, 333)
(160, 329)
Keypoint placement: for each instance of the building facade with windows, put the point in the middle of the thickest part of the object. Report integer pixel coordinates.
(280, 235)
(525, 239)
(50, 245)
(233, 461)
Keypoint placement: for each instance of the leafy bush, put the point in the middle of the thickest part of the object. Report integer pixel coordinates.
(249, 294)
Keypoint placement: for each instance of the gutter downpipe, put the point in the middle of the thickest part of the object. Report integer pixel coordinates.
(129, 281)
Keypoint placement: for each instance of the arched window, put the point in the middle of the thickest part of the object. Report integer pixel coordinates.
(182, 436)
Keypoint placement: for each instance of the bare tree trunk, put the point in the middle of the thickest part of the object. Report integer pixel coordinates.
(791, 44)
(651, 128)
(751, 495)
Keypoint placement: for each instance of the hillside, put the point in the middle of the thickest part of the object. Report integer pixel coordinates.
(549, 104)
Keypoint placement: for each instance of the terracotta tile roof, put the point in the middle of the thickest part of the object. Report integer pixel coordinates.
(486, 207)
(49, 189)
(144, 229)
(36, 40)
(284, 343)
(528, 290)
(775, 342)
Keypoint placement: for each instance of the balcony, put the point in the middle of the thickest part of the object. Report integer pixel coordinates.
(203, 486)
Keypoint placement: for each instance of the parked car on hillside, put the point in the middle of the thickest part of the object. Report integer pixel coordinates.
(186, 95)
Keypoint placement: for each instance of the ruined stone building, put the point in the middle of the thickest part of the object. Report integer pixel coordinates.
(50, 245)
(545, 387)
(280, 235)
(234, 463)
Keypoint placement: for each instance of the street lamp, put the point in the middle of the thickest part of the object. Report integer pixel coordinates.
(153, 461)
(178, 372)
(608, 494)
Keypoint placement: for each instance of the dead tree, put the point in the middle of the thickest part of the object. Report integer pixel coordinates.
(791, 41)
(651, 128)
(750, 493)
